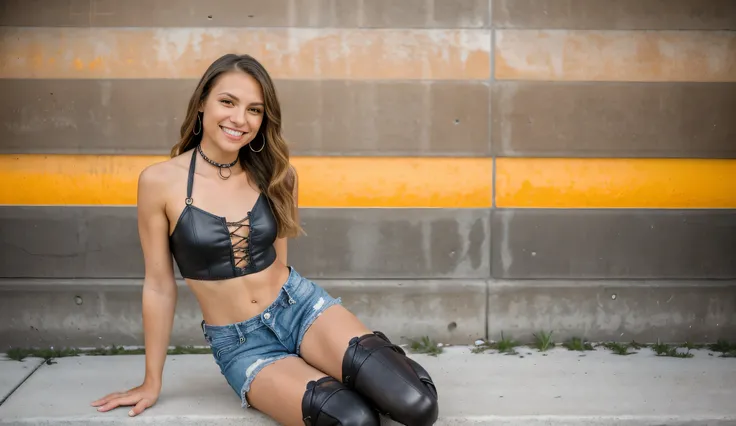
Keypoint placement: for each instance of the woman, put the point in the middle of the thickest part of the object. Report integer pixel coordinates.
(224, 206)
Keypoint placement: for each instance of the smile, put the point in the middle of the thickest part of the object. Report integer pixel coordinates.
(231, 132)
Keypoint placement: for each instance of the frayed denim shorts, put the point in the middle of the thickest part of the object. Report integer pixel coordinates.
(243, 349)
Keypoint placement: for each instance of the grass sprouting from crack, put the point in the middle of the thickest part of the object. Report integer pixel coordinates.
(505, 345)
(578, 344)
(619, 348)
(425, 345)
(727, 350)
(19, 354)
(663, 349)
(543, 341)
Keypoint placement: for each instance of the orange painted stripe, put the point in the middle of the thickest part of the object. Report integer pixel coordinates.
(324, 181)
(299, 53)
(615, 183)
(703, 56)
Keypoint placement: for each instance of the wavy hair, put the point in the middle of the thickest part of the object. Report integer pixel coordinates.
(270, 168)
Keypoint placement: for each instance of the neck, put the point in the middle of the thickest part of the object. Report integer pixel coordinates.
(217, 155)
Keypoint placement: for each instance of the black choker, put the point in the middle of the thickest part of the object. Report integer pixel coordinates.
(218, 165)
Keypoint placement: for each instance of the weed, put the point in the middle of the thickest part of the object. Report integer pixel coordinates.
(663, 349)
(726, 349)
(618, 348)
(578, 344)
(18, 354)
(425, 346)
(507, 346)
(543, 341)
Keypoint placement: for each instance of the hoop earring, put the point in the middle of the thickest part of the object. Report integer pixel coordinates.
(250, 145)
(199, 120)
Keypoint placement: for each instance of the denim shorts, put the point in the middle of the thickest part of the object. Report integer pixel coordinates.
(242, 349)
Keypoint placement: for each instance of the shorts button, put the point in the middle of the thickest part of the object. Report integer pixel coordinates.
(267, 315)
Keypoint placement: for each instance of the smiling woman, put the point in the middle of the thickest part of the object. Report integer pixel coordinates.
(224, 205)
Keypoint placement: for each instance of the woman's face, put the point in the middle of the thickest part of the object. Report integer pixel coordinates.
(233, 112)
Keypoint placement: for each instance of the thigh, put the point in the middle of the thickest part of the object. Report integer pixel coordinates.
(278, 389)
(326, 340)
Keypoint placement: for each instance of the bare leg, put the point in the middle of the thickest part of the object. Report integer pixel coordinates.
(279, 391)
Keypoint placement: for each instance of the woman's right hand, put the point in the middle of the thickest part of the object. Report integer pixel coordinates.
(141, 397)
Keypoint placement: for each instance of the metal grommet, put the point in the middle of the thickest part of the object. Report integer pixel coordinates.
(188, 201)
(291, 301)
(242, 339)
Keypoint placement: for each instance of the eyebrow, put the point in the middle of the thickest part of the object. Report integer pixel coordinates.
(238, 99)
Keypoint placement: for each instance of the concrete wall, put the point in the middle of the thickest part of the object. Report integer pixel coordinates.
(468, 166)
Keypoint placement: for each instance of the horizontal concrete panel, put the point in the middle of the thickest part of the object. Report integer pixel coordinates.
(353, 181)
(401, 243)
(615, 183)
(102, 242)
(575, 55)
(614, 244)
(92, 313)
(615, 15)
(247, 13)
(686, 120)
(623, 311)
(301, 53)
(341, 117)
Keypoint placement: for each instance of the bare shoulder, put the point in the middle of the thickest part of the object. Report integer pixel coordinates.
(156, 180)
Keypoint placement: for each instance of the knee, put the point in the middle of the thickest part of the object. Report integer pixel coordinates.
(327, 402)
(377, 369)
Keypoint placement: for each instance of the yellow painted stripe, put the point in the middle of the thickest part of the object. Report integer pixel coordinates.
(703, 56)
(614, 183)
(324, 181)
(300, 53)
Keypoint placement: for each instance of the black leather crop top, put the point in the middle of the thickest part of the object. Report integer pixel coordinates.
(207, 247)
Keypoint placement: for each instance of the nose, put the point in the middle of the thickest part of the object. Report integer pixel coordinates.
(239, 117)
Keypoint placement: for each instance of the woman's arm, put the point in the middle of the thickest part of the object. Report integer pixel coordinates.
(159, 284)
(159, 293)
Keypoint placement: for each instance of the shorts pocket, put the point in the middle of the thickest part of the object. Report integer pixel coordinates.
(223, 345)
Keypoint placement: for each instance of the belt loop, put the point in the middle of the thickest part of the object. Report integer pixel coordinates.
(240, 333)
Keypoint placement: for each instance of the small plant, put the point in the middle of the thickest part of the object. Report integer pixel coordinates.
(578, 344)
(726, 349)
(507, 346)
(618, 348)
(18, 354)
(543, 341)
(636, 346)
(425, 346)
(690, 345)
(663, 349)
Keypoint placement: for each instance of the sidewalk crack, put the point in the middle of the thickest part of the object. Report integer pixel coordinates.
(12, 391)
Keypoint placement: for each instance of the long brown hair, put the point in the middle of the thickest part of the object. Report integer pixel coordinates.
(270, 167)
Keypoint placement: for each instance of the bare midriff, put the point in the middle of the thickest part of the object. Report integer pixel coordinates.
(238, 299)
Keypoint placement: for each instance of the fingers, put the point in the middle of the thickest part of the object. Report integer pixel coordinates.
(105, 399)
(139, 407)
(122, 400)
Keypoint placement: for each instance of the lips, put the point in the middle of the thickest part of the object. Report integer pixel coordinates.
(231, 132)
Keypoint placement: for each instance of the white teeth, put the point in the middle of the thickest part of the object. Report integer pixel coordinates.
(232, 132)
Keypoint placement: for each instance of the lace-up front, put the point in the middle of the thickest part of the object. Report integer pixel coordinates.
(208, 247)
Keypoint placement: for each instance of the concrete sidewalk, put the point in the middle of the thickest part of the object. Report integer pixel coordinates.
(559, 387)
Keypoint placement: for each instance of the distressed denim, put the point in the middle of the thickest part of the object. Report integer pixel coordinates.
(243, 349)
